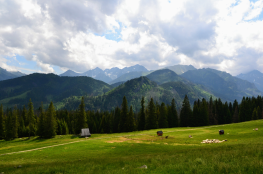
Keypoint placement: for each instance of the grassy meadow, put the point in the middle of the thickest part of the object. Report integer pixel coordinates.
(126, 152)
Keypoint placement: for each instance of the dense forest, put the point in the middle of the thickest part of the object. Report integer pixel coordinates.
(27, 121)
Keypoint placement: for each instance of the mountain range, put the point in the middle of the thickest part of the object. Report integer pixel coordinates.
(133, 82)
(5, 75)
(255, 77)
(107, 75)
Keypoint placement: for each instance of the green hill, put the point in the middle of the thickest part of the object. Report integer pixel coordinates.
(135, 89)
(47, 87)
(180, 69)
(129, 76)
(164, 76)
(222, 84)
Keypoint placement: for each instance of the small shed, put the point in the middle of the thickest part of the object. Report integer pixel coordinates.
(221, 132)
(85, 132)
(160, 133)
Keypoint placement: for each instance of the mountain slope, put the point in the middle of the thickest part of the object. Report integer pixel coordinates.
(255, 77)
(180, 69)
(164, 76)
(47, 87)
(97, 74)
(222, 84)
(135, 89)
(5, 75)
(114, 73)
(129, 76)
(70, 73)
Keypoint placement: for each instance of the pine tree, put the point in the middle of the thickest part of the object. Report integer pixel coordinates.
(2, 123)
(9, 126)
(141, 124)
(130, 122)
(186, 113)
(174, 116)
(41, 123)
(211, 111)
(116, 119)
(254, 114)
(124, 115)
(235, 116)
(151, 122)
(50, 122)
(14, 121)
(30, 116)
(258, 113)
(81, 121)
(196, 116)
(163, 123)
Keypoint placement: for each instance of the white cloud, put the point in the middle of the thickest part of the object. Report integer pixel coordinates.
(70, 34)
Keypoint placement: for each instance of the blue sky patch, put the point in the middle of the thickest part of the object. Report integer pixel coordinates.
(110, 35)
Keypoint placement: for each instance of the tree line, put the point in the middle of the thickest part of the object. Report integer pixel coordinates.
(27, 121)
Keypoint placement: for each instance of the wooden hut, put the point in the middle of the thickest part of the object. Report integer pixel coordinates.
(85, 132)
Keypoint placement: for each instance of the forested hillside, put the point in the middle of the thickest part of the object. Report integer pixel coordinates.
(222, 84)
(48, 87)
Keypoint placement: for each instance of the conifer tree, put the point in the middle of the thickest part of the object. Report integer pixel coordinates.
(163, 123)
(14, 123)
(9, 126)
(2, 123)
(235, 116)
(174, 115)
(41, 122)
(186, 113)
(30, 116)
(151, 122)
(254, 114)
(204, 113)
(196, 116)
(124, 115)
(211, 111)
(258, 113)
(141, 124)
(81, 121)
(116, 119)
(130, 123)
(50, 122)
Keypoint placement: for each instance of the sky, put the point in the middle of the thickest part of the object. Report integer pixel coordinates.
(52, 36)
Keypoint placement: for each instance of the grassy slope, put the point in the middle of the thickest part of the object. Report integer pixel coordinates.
(242, 153)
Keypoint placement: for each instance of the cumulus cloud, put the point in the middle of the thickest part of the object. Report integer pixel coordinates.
(75, 35)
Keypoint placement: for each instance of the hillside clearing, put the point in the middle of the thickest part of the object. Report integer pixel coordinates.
(126, 152)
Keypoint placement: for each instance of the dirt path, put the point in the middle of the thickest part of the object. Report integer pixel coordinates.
(99, 139)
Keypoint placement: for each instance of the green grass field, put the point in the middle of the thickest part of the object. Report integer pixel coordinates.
(126, 152)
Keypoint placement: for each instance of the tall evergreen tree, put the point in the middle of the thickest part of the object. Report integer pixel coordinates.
(2, 123)
(163, 123)
(31, 118)
(174, 115)
(258, 113)
(130, 123)
(41, 122)
(151, 121)
(235, 116)
(81, 121)
(50, 123)
(9, 126)
(254, 114)
(211, 112)
(14, 123)
(124, 115)
(116, 119)
(186, 113)
(141, 124)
